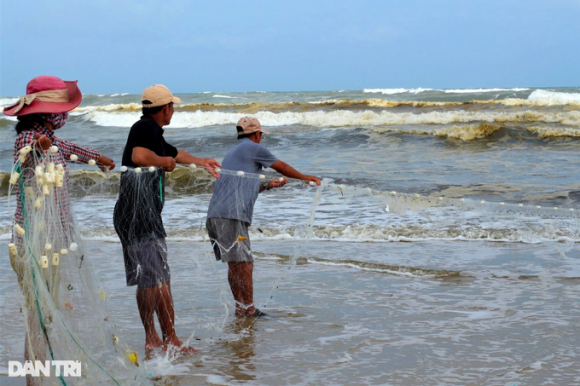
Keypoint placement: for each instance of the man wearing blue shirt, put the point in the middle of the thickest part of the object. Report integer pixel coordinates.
(232, 206)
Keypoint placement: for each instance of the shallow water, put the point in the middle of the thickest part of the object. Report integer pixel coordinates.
(492, 314)
(395, 280)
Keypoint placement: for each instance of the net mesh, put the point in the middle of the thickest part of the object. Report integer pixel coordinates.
(65, 312)
(65, 304)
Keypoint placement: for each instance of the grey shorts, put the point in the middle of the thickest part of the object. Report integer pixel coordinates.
(230, 239)
(146, 263)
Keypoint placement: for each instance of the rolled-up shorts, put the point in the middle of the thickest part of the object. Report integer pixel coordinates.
(230, 240)
(146, 263)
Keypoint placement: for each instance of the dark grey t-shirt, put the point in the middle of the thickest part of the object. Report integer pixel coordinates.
(234, 197)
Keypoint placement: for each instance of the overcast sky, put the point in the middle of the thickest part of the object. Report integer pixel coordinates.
(114, 46)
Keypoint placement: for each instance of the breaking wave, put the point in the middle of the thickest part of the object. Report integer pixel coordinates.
(83, 182)
(342, 118)
(537, 99)
(391, 91)
(553, 97)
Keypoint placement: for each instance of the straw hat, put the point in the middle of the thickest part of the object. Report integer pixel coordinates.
(47, 94)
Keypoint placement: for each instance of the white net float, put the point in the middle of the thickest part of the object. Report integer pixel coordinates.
(14, 178)
(48, 178)
(12, 250)
(53, 149)
(73, 247)
(19, 230)
(92, 162)
(59, 180)
(74, 157)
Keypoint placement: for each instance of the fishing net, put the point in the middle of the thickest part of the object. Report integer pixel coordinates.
(139, 224)
(64, 306)
(66, 309)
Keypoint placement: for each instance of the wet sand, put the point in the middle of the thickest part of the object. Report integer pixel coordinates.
(503, 314)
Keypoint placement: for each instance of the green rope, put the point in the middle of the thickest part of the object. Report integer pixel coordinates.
(161, 188)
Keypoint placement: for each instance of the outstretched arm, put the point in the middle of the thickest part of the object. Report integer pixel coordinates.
(84, 154)
(145, 157)
(210, 164)
(288, 171)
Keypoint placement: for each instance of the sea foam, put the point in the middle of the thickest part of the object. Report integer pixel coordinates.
(340, 118)
(7, 101)
(482, 90)
(391, 91)
(554, 97)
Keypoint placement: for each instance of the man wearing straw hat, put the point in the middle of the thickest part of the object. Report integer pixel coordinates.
(137, 214)
(232, 206)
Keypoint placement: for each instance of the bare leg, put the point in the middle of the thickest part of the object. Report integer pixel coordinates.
(242, 286)
(146, 304)
(166, 316)
(236, 287)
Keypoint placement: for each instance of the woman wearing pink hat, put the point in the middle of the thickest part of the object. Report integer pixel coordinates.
(40, 112)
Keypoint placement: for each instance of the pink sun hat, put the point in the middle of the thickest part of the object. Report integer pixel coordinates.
(47, 94)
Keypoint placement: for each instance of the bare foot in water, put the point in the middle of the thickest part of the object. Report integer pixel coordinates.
(151, 343)
(178, 346)
(243, 312)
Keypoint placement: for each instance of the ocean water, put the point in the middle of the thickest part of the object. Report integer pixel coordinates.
(440, 249)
